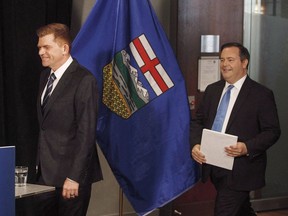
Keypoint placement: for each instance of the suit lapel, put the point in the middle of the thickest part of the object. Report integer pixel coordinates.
(245, 89)
(65, 79)
(43, 80)
(217, 92)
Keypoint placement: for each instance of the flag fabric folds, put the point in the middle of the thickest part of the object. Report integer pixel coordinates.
(143, 120)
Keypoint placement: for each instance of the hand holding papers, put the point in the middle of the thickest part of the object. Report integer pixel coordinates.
(213, 145)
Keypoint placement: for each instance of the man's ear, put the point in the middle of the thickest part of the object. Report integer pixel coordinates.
(245, 63)
(66, 49)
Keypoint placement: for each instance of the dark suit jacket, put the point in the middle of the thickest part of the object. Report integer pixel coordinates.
(67, 146)
(253, 119)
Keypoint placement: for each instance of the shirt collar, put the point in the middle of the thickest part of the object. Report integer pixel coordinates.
(238, 84)
(60, 71)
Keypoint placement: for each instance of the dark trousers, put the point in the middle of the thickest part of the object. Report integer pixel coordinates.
(53, 204)
(229, 202)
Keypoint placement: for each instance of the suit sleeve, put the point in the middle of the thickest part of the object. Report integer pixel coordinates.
(86, 114)
(268, 125)
(199, 122)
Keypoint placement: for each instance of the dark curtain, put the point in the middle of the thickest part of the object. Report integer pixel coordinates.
(20, 68)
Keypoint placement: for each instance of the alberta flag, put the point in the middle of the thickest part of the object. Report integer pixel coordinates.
(143, 120)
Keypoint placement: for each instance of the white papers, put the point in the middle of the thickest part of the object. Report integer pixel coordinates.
(212, 146)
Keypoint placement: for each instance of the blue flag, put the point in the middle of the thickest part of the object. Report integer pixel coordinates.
(143, 120)
(7, 181)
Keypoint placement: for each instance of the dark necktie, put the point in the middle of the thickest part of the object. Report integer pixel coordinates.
(221, 111)
(49, 87)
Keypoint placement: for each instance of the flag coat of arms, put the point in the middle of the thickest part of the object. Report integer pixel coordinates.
(143, 119)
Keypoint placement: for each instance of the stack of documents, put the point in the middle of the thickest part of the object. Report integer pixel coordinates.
(213, 145)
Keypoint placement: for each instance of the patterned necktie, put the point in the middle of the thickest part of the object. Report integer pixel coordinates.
(47, 94)
(222, 109)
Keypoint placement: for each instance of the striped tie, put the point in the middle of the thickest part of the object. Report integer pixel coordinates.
(47, 94)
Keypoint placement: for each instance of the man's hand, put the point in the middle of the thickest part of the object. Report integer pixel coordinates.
(237, 150)
(197, 154)
(70, 189)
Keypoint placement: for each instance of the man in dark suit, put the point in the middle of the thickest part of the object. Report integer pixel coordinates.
(252, 116)
(67, 108)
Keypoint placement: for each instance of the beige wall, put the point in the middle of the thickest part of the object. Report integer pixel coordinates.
(105, 194)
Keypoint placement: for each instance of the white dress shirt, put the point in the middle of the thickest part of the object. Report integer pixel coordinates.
(233, 96)
(58, 73)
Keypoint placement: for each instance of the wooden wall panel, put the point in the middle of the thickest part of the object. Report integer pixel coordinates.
(203, 17)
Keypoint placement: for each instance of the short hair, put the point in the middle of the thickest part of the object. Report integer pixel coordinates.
(243, 51)
(59, 30)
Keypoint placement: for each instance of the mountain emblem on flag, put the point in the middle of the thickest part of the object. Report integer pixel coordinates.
(123, 92)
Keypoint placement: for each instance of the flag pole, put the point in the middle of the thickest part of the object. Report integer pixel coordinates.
(120, 201)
